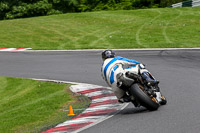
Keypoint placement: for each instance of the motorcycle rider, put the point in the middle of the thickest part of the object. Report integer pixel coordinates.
(115, 66)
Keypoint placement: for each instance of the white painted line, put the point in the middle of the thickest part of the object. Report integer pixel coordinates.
(59, 81)
(91, 50)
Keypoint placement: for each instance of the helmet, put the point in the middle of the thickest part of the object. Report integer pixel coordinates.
(108, 54)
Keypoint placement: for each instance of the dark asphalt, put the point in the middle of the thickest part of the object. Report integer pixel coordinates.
(178, 71)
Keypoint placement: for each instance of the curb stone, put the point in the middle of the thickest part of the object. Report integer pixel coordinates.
(104, 104)
(14, 49)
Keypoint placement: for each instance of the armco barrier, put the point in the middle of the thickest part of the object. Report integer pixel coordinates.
(190, 3)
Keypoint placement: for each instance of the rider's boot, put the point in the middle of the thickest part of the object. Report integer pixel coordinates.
(124, 99)
(160, 98)
(149, 79)
(136, 104)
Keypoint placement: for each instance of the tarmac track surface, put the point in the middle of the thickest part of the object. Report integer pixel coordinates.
(178, 71)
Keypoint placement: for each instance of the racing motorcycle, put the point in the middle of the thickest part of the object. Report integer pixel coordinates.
(139, 91)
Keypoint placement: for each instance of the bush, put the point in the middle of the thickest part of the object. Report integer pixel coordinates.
(39, 8)
(10, 9)
(4, 8)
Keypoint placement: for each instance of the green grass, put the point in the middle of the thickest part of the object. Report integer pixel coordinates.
(145, 28)
(27, 105)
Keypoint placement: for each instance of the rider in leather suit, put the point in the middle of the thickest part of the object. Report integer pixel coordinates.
(115, 65)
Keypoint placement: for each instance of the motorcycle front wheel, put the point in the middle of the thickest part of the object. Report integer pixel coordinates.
(150, 103)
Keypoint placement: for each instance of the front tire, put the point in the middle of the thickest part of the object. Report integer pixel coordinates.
(164, 101)
(143, 98)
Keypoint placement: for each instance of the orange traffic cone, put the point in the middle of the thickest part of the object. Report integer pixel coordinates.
(71, 113)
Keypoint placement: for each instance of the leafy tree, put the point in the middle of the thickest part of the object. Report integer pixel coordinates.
(10, 9)
(23, 9)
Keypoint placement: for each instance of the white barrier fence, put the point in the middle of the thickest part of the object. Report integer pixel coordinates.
(190, 3)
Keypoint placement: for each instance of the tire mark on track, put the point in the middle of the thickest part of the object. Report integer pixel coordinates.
(140, 29)
(165, 28)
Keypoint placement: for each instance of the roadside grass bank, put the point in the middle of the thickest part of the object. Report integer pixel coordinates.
(144, 28)
(34, 106)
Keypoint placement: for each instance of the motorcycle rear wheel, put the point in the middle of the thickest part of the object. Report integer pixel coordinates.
(150, 103)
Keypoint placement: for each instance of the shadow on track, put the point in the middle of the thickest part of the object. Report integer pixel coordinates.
(133, 110)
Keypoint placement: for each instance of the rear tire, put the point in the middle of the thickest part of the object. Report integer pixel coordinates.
(143, 98)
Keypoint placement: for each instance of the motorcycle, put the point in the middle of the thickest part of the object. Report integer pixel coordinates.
(140, 92)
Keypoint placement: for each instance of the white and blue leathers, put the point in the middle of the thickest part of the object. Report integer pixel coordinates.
(113, 66)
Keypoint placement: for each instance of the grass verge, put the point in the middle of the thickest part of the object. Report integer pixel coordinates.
(33, 106)
(144, 28)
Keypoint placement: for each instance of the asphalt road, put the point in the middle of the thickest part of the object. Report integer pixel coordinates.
(178, 71)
